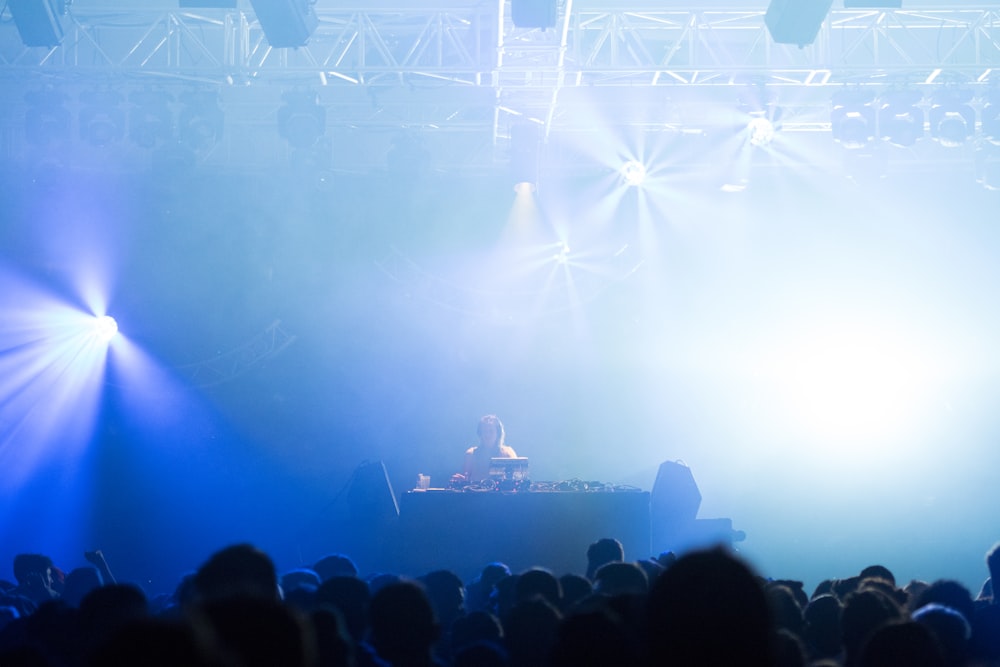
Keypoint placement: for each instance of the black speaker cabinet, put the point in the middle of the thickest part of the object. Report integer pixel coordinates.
(286, 23)
(370, 497)
(38, 21)
(533, 13)
(675, 497)
(796, 21)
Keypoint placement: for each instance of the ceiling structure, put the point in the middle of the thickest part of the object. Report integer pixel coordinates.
(459, 75)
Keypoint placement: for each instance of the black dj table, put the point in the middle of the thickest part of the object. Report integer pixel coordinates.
(464, 530)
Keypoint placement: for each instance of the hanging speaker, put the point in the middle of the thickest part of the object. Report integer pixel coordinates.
(796, 21)
(533, 13)
(38, 21)
(286, 23)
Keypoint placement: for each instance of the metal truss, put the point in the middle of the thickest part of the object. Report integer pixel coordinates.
(232, 364)
(465, 67)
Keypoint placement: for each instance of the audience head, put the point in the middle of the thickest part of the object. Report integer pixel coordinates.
(715, 590)
(335, 565)
(878, 572)
(951, 630)
(241, 570)
(620, 579)
(79, 582)
(351, 597)
(402, 622)
(993, 561)
(950, 594)
(603, 551)
(530, 631)
(539, 582)
(901, 644)
(261, 631)
(29, 566)
(300, 577)
(821, 626)
(864, 612)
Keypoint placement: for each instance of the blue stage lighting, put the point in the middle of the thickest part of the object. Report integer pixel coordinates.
(105, 328)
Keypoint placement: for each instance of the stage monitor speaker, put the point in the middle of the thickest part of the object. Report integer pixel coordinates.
(286, 23)
(38, 21)
(533, 13)
(370, 498)
(675, 498)
(796, 21)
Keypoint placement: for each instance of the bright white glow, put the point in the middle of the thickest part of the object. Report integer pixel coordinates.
(562, 256)
(105, 328)
(853, 383)
(524, 188)
(761, 131)
(633, 172)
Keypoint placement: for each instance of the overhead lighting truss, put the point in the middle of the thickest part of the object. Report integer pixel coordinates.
(467, 67)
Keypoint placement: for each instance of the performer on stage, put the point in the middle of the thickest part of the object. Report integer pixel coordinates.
(491, 445)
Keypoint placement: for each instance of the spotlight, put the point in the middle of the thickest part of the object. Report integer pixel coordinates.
(952, 120)
(760, 131)
(525, 142)
(301, 121)
(900, 120)
(991, 118)
(200, 123)
(852, 120)
(150, 121)
(105, 328)
(633, 173)
(102, 120)
(762, 113)
(47, 120)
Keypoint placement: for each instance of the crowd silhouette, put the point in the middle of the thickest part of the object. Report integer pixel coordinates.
(704, 607)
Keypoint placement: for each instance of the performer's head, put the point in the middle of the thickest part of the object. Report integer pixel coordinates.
(490, 431)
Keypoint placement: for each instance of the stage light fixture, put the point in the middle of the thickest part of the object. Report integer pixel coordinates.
(150, 120)
(286, 23)
(952, 119)
(852, 120)
(760, 131)
(525, 145)
(301, 120)
(102, 119)
(38, 21)
(105, 328)
(763, 116)
(46, 120)
(633, 173)
(900, 118)
(201, 120)
(991, 118)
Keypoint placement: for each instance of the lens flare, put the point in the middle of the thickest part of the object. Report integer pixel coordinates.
(105, 328)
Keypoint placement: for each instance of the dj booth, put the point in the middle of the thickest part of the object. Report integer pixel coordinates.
(464, 530)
